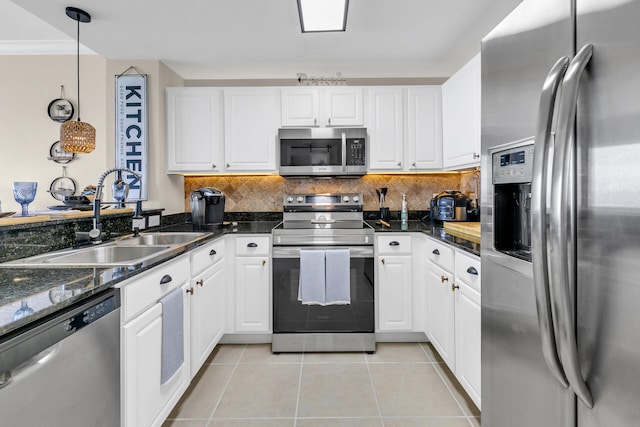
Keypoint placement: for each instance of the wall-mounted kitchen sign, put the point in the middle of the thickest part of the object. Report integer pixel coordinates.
(131, 130)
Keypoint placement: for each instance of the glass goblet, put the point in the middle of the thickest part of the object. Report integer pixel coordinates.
(24, 193)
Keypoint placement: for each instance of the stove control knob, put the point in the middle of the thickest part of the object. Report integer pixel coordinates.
(356, 199)
(345, 199)
(289, 199)
(300, 199)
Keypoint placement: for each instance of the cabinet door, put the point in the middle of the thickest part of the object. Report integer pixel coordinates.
(194, 130)
(251, 120)
(147, 402)
(440, 311)
(252, 294)
(468, 339)
(461, 117)
(385, 126)
(343, 106)
(394, 293)
(207, 313)
(424, 128)
(300, 107)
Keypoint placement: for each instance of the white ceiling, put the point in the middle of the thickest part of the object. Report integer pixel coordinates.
(249, 39)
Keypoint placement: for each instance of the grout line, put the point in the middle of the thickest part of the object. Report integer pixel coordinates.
(450, 391)
(224, 390)
(373, 388)
(295, 415)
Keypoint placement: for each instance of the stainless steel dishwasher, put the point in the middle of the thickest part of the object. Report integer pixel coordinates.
(65, 371)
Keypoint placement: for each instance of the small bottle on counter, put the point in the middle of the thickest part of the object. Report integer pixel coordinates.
(404, 213)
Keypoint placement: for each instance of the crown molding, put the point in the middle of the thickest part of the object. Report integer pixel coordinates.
(42, 47)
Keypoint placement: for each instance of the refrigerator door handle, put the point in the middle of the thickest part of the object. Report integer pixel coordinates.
(539, 217)
(562, 206)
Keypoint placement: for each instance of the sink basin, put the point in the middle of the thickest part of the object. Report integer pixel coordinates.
(107, 255)
(154, 239)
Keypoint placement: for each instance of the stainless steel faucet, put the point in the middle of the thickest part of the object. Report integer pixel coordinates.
(96, 233)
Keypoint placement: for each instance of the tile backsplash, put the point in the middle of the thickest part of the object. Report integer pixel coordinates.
(263, 193)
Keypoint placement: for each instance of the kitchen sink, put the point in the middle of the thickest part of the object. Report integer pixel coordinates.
(153, 239)
(127, 251)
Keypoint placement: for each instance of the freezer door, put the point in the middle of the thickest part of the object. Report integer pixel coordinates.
(517, 387)
(608, 221)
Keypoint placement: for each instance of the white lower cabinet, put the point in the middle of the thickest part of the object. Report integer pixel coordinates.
(208, 301)
(252, 284)
(394, 277)
(468, 339)
(145, 401)
(440, 312)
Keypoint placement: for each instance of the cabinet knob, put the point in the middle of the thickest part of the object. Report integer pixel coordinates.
(200, 282)
(476, 155)
(228, 165)
(263, 262)
(436, 252)
(382, 261)
(165, 279)
(454, 287)
(472, 270)
(190, 290)
(399, 164)
(315, 122)
(394, 243)
(214, 166)
(329, 121)
(444, 278)
(252, 245)
(413, 164)
(212, 252)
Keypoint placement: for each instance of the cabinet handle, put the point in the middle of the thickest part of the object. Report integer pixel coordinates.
(252, 245)
(329, 121)
(394, 243)
(200, 282)
(190, 290)
(476, 156)
(165, 279)
(228, 165)
(454, 287)
(214, 166)
(382, 261)
(212, 252)
(263, 262)
(400, 164)
(472, 270)
(436, 252)
(444, 278)
(413, 164)
(315, 122)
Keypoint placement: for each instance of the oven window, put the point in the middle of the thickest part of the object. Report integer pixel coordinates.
(310, 152)
(290, 315)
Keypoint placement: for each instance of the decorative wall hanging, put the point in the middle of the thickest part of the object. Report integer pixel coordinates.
(60, 109)
(131, 129)
(60, 155)
(63, 186)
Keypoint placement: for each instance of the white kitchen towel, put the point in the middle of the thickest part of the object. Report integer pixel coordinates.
(172, 348)
(311, 284)
(337, 277)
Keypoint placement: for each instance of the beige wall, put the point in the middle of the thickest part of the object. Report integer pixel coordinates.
(29, 84)
(27, 132)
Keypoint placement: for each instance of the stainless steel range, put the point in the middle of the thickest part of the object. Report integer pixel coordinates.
(323, 246)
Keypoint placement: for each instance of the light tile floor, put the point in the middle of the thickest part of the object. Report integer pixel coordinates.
(401, 385)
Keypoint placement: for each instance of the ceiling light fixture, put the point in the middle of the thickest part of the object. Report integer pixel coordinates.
(78, 136)
(323, 15)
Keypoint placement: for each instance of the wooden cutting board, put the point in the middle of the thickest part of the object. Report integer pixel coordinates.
(49, 215)
(467, 230)
(13, 220)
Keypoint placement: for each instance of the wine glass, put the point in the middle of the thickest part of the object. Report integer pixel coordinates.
(23, 311)
(24, 193)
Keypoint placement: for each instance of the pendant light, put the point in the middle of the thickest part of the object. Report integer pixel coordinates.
(77, 136)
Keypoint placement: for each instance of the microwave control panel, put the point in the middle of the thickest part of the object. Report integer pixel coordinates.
(513, 166)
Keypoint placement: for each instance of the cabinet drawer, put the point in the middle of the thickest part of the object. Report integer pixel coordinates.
(441, 254)
(468, 269)
(394, 244)
(252, 245)
(143, 291)
(206, 256)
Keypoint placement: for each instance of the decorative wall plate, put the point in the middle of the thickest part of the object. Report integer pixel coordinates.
(60, 110)
(60, 155)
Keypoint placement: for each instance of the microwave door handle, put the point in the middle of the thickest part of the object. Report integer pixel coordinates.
(344, 152)
(539, 184)
(562, 206)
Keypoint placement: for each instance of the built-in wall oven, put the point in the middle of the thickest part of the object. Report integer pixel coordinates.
(323, 222)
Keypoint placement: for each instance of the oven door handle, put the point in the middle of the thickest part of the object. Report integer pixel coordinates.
(323, 221)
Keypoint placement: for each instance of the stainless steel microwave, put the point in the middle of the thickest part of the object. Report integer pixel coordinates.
(323, 152)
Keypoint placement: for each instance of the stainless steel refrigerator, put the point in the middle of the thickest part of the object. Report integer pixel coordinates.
(561, 215)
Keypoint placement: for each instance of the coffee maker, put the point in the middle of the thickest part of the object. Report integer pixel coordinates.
(207, 209)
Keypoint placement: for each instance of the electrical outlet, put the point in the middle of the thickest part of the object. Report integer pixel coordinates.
(138, 222)
(154, 220)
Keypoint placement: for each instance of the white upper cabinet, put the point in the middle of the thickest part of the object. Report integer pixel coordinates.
(461, 117)
(251, 117)
(386, 128)
(194, 130)
(322, 106)
(424, 128)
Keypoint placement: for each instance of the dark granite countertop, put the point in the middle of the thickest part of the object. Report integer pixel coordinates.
(48, 290)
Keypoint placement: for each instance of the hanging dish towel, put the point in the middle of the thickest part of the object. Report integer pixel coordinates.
(337, 277)
(311, 285)
(172, 349)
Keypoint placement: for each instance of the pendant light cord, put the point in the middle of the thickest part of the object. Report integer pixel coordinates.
(78, 67)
